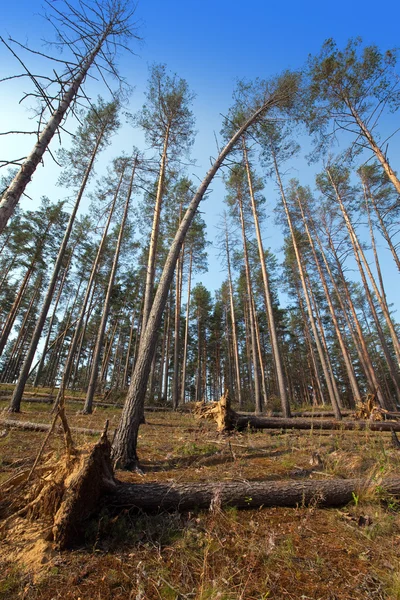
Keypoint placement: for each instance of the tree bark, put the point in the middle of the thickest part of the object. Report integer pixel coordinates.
(125, 442)
(87, 409)
(185, 343)
(300, 266)
(238, 385)
(267, 294)
(358, 250)
(249, 494)
(151, 263)
(17, 187)
(343, 348)
(19, 388)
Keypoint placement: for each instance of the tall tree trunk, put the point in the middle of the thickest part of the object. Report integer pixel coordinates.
(167, 351)
(87, 409)
(185, 343)
(125, 441)
(358, 249)
(383, 228)
(151, 263)
(324, 342)
(257, 395)
(359, 339)
(374, 146)
(78, 333)
(19, 388)
(128, 352)
(267, 294)
(23, 331)
(47, 341)
(17, 187)
(342, 344)
(8, 325)
(233, 321)
(260, 355)
(175, 375)
(320, 351)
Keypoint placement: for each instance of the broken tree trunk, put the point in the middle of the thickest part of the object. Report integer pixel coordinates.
(228, 420)
(246, 494)
(63, 494)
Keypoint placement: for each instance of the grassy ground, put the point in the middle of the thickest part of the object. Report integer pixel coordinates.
(279, 553)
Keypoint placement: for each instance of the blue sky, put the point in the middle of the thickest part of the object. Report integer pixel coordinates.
(211, 45)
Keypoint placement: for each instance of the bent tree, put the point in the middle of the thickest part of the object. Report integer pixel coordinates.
(348, 90)
(95, 27)
(277, 94)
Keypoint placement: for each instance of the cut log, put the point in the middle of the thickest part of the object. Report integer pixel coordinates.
(249, 494)
(229, 420)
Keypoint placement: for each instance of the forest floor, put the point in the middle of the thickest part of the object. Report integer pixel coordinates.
(275, 553)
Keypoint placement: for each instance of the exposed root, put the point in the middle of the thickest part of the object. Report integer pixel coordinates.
(369, 409)
(46, 509)
(220, 412)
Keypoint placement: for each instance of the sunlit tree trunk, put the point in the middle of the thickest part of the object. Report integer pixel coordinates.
(267, 294)
(300, 267)
(233, 321)
(87, 409)
(185, 342)
(17, 187)
(342, 344)
(359, 251)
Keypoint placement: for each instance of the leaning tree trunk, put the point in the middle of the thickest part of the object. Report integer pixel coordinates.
(22, 335)
(346, 357)
(17, 187)
(151, 263)
(374, 146)
(358, 250)
(9, 323)
(125, 442)
(382, 225)
(357, 335)
(87, 409)
(19, 388)
(300, 266)
(78, 329)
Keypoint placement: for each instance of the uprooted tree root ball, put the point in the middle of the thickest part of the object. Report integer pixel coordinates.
(227, 420)
(53, 506)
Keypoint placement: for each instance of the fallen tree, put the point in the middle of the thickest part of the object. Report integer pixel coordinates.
(247, 494)
(228, 420)
(55, 501)
(28, 426)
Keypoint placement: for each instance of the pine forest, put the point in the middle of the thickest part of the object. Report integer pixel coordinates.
(198, 311)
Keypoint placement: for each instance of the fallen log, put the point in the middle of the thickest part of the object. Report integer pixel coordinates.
(254, 422)
(247, 494)
(28, 426)
(229, 420)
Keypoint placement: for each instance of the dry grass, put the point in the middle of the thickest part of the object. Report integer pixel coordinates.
(278, 553)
